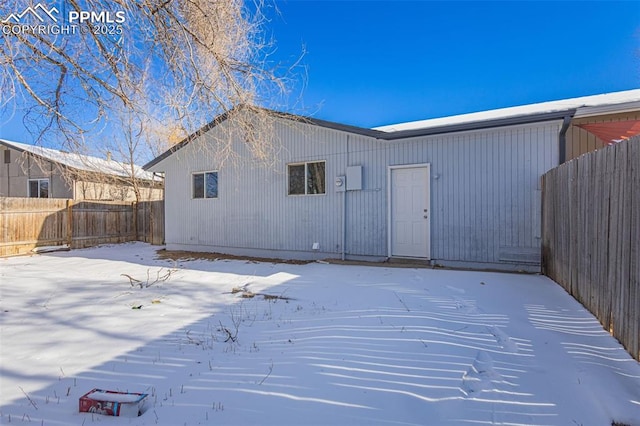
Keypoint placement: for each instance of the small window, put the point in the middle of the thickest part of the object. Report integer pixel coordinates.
(205, 185)
(39, 188)
(7, 156)
(307, 178)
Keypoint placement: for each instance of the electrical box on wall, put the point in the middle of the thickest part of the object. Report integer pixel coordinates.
(354, 178)
(341, 184)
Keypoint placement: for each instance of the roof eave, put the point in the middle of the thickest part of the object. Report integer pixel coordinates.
(379, 134)
(590, 111)
(480, 125)
(287, 116)
(204, 129)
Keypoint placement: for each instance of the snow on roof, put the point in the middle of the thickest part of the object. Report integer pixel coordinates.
(523, 110)
(575, 107)
(81, 162)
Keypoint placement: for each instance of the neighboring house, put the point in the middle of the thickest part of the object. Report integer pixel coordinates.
(459, 191)
(34, 171)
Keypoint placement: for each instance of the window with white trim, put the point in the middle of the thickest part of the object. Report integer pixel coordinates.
(307, 178)
(39, 188)
(205, 185)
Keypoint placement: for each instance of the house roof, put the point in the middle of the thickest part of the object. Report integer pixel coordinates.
(81, 162)
(533, 113)
(583, 106)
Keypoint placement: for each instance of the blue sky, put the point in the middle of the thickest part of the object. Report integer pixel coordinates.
(370, 63)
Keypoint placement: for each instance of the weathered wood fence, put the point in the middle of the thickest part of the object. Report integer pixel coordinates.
(26, 223)
(591, 236)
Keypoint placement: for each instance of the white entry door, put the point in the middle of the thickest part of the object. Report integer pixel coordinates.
(410, 212)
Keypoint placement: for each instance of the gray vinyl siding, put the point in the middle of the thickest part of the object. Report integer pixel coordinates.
(485, 195)
(253, 210)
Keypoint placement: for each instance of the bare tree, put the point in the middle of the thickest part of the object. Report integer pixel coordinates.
(162, 68)
(135, 136)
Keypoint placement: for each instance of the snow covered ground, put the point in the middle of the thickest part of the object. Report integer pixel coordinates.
(349, 345)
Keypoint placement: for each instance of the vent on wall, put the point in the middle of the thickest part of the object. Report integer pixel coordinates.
(7, 156)
(520, 254)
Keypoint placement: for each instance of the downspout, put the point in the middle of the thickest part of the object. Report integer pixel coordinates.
(344, 222)
(562, 138)
(8, 172)
(344, 211)
(28, 175)
(562, 158)
(50, 179)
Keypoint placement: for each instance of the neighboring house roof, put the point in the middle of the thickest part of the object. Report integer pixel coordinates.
(534, 113)
(81, 162)
(612, 132)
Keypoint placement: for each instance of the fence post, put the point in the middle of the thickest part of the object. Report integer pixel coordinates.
(151, 223)
(134, 207)
(69, 222)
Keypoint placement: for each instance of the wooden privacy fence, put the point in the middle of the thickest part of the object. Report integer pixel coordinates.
(26, 223)
(591, 235)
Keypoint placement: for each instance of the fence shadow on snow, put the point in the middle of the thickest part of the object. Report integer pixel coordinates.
(591, 236)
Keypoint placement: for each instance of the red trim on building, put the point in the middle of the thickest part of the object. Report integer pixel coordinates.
(614, 131)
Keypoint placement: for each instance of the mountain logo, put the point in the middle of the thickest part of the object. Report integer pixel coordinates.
(39, 11)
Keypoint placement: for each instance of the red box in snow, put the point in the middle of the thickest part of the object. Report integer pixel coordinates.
(112, 403)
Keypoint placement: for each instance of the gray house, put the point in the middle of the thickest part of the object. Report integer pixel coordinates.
(456, 191)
